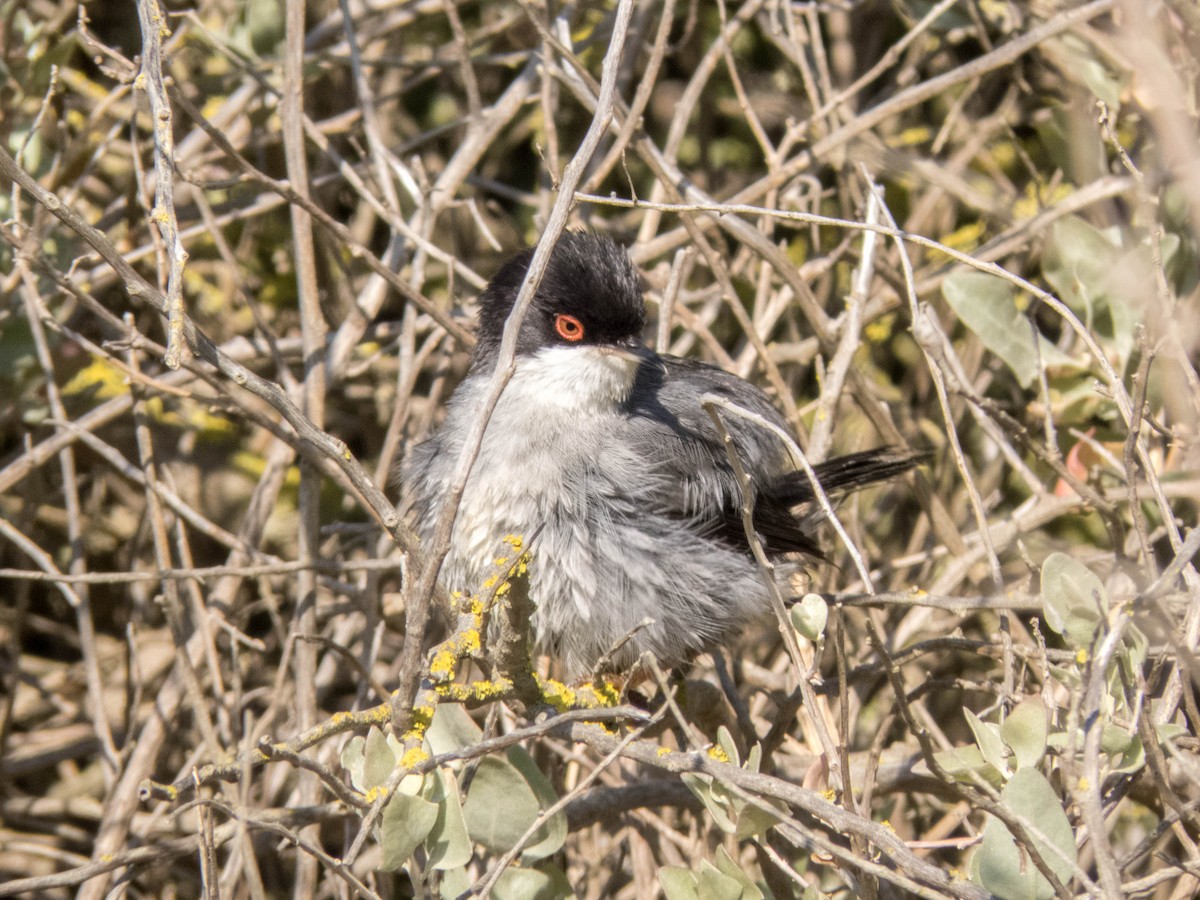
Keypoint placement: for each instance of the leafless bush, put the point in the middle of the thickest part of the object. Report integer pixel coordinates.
(240, 252)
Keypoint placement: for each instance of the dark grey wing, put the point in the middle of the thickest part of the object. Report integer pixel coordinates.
(667, 419)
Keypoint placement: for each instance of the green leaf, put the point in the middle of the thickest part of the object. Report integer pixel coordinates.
(500, 805)
(754, 758)
(964, 763)
(753, 820)
(1073, 599)
(550, 837)
(1077, 262)
(1132, 758)
(809, 616)
(727, 744)
(722, 812)
(405, 823)
(678, 883)
(452, 729)
(713, 884)
(1169, 731)
(1114, 739)
(454, 883)
(448, 844)
(985, 305)
(353, 759)
(379, 759)
(1025, 730)
(543, 883)
(1001, 866)
(729, 867)
(987, 738)
(1135, 648)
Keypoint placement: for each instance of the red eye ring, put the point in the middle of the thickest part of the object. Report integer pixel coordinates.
(569, 328)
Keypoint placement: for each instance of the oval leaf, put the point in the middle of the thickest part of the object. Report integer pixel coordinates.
(448, 845)
(379, 759)
(1073, 599)
(810, 615)
(985, 305)
(1025, 731)
(1002, 866)
(452, 729)
(405, 823)
(500, 805)
(353, 759)
(550, 837)
(987, 738)
(543, 883)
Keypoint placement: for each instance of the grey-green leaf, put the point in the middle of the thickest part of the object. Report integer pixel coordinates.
(985, 304)
(964, 764)
(810, 615)
(542, 883)
(714, 801)
(500, 805)
(987, 738)
(713, 884)
(678, 883)
(353, 759)
(1077, 262)
(379, 760)
(452, 729)
(728, 866)
(550, 837)
(1004, 868)
(1073, 599)
(405, 823)
(1025, 731)
(448, 844)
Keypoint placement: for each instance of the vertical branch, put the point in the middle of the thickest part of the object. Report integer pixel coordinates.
(150, 79)
(313, 329)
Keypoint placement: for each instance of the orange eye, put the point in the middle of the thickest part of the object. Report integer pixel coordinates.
(569, 328)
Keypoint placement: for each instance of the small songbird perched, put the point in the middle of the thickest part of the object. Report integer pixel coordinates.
(600, 453)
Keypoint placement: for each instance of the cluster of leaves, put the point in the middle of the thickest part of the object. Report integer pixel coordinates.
(178, 584)
(1010, 755)
(505, 799)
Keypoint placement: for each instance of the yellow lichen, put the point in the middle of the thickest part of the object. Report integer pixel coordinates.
(470, 641)
(442, 664)
(413, 756)
(663, 751)
(602, 693)
(557, 694)
(718, 754)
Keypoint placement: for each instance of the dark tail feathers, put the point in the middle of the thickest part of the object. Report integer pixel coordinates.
(847, 473)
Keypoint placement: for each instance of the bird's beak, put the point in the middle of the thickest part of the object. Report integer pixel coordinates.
(633, 353)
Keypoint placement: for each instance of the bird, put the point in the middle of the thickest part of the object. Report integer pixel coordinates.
(600, 455)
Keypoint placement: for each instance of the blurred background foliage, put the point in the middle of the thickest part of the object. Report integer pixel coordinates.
(1057, 140)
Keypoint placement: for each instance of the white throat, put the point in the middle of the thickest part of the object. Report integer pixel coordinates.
(571, 379)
